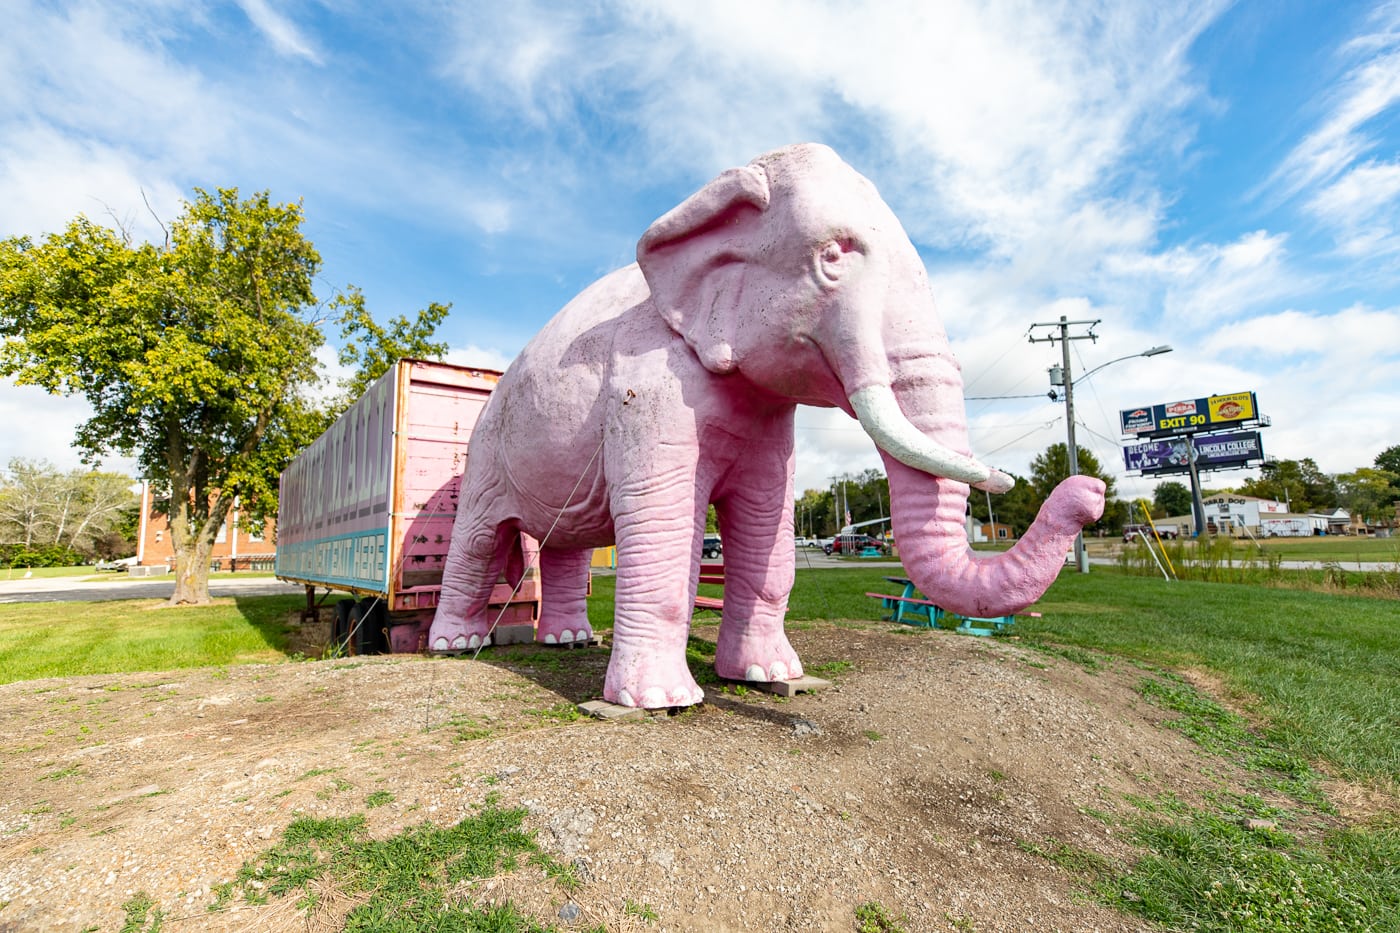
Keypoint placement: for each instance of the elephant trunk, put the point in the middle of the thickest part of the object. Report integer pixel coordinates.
(929, 506)
(928, 514)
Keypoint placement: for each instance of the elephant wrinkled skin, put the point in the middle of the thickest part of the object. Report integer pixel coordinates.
(672, 384)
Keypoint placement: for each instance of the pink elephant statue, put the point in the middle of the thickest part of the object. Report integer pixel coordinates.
(671, 384)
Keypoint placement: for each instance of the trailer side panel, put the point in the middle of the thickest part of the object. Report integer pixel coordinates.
(334, 500)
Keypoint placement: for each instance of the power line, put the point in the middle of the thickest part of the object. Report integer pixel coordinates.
(985, 398)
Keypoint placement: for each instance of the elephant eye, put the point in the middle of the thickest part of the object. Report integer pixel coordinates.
(831, 259)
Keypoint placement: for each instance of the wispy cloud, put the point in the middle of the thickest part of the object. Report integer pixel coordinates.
(1001, 120)
(284, 35)
(1335, 168)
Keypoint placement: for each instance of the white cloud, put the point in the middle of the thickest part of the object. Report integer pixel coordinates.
(480, 357)
(1203, 284)
(279, 30)
(1330, 166)
(48, 178)
(1339, 341)
(1362, 207)
(1001, 120)
(40, 426)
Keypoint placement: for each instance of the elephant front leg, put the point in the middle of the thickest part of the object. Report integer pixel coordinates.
(755, 514)
(564, 608)
(656, 544)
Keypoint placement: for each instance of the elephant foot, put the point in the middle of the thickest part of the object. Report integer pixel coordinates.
(563, 633)
(757, 657)
(451, 641)
(647, 681)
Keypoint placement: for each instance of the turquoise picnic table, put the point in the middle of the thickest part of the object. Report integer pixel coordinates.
(911, 608)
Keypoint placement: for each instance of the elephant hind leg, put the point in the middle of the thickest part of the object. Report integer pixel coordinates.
(564, 610)
(475, 562)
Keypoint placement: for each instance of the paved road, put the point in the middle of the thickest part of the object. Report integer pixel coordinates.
(77, 589)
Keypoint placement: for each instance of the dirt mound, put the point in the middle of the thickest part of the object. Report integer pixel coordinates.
(913, 783)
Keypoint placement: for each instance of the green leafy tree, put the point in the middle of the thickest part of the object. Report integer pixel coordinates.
(371, 348)
(812, 513)
(1389, 460)
(865, 495)
(1299, 483)
(1171, 498)
(1367, 492)
(1015, 508)
(195, 355)
(1051, 468)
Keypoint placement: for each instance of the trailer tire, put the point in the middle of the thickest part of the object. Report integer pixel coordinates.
(367, 625)
(340, 633)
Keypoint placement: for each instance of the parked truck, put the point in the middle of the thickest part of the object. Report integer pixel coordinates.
(367, 509)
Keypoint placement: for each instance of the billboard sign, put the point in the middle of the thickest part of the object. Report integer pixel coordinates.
(1213, 452)
(1190, 415)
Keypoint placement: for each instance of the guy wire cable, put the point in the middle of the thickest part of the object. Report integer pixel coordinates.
(567, 502)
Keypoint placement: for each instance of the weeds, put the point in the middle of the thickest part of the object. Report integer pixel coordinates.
(406, 882)
(643, 912)
(1224, 733)
(831, 669)
(1223, 560)
(872, 917)
(140, 911)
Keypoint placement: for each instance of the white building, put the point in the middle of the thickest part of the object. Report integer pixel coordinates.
(1231, 512)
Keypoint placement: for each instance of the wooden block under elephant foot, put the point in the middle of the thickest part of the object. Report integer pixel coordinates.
(787, 688)
(602, 709)
(592, 641)
(512, 634)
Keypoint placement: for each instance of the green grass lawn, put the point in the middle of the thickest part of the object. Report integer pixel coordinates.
(1330, 548)
(18, 573)
(63, 639)
(1322, 669)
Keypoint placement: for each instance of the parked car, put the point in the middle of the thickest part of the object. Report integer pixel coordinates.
(120, 564)
(712, 548)
(854, 544)
(802, 542)
(1163, 531)
(826, 544)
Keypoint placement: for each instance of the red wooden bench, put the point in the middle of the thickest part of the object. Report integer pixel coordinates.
(711, 573)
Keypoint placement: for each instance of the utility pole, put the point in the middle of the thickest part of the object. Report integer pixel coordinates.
(1081, 559)
(1198, 509)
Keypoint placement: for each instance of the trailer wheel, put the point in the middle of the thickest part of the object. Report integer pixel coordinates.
(340, 634)
(368, 618)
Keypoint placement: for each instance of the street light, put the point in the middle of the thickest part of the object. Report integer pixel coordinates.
(1081, 559)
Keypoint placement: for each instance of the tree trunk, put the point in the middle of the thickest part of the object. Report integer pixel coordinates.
(192, 576)
(192, 543)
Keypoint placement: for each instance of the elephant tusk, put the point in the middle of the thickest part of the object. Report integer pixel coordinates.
(880, 416)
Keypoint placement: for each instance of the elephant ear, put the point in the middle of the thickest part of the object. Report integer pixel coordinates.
(694, 259)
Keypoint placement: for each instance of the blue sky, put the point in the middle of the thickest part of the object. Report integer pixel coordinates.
(1220, 177)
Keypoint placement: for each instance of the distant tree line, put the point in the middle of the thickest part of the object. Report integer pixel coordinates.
(1368, 492)
(53, 518)
(821, 513)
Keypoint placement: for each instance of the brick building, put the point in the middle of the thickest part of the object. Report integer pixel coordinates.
(235, 548)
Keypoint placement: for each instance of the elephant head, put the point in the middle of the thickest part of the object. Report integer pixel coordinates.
(793, 273)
